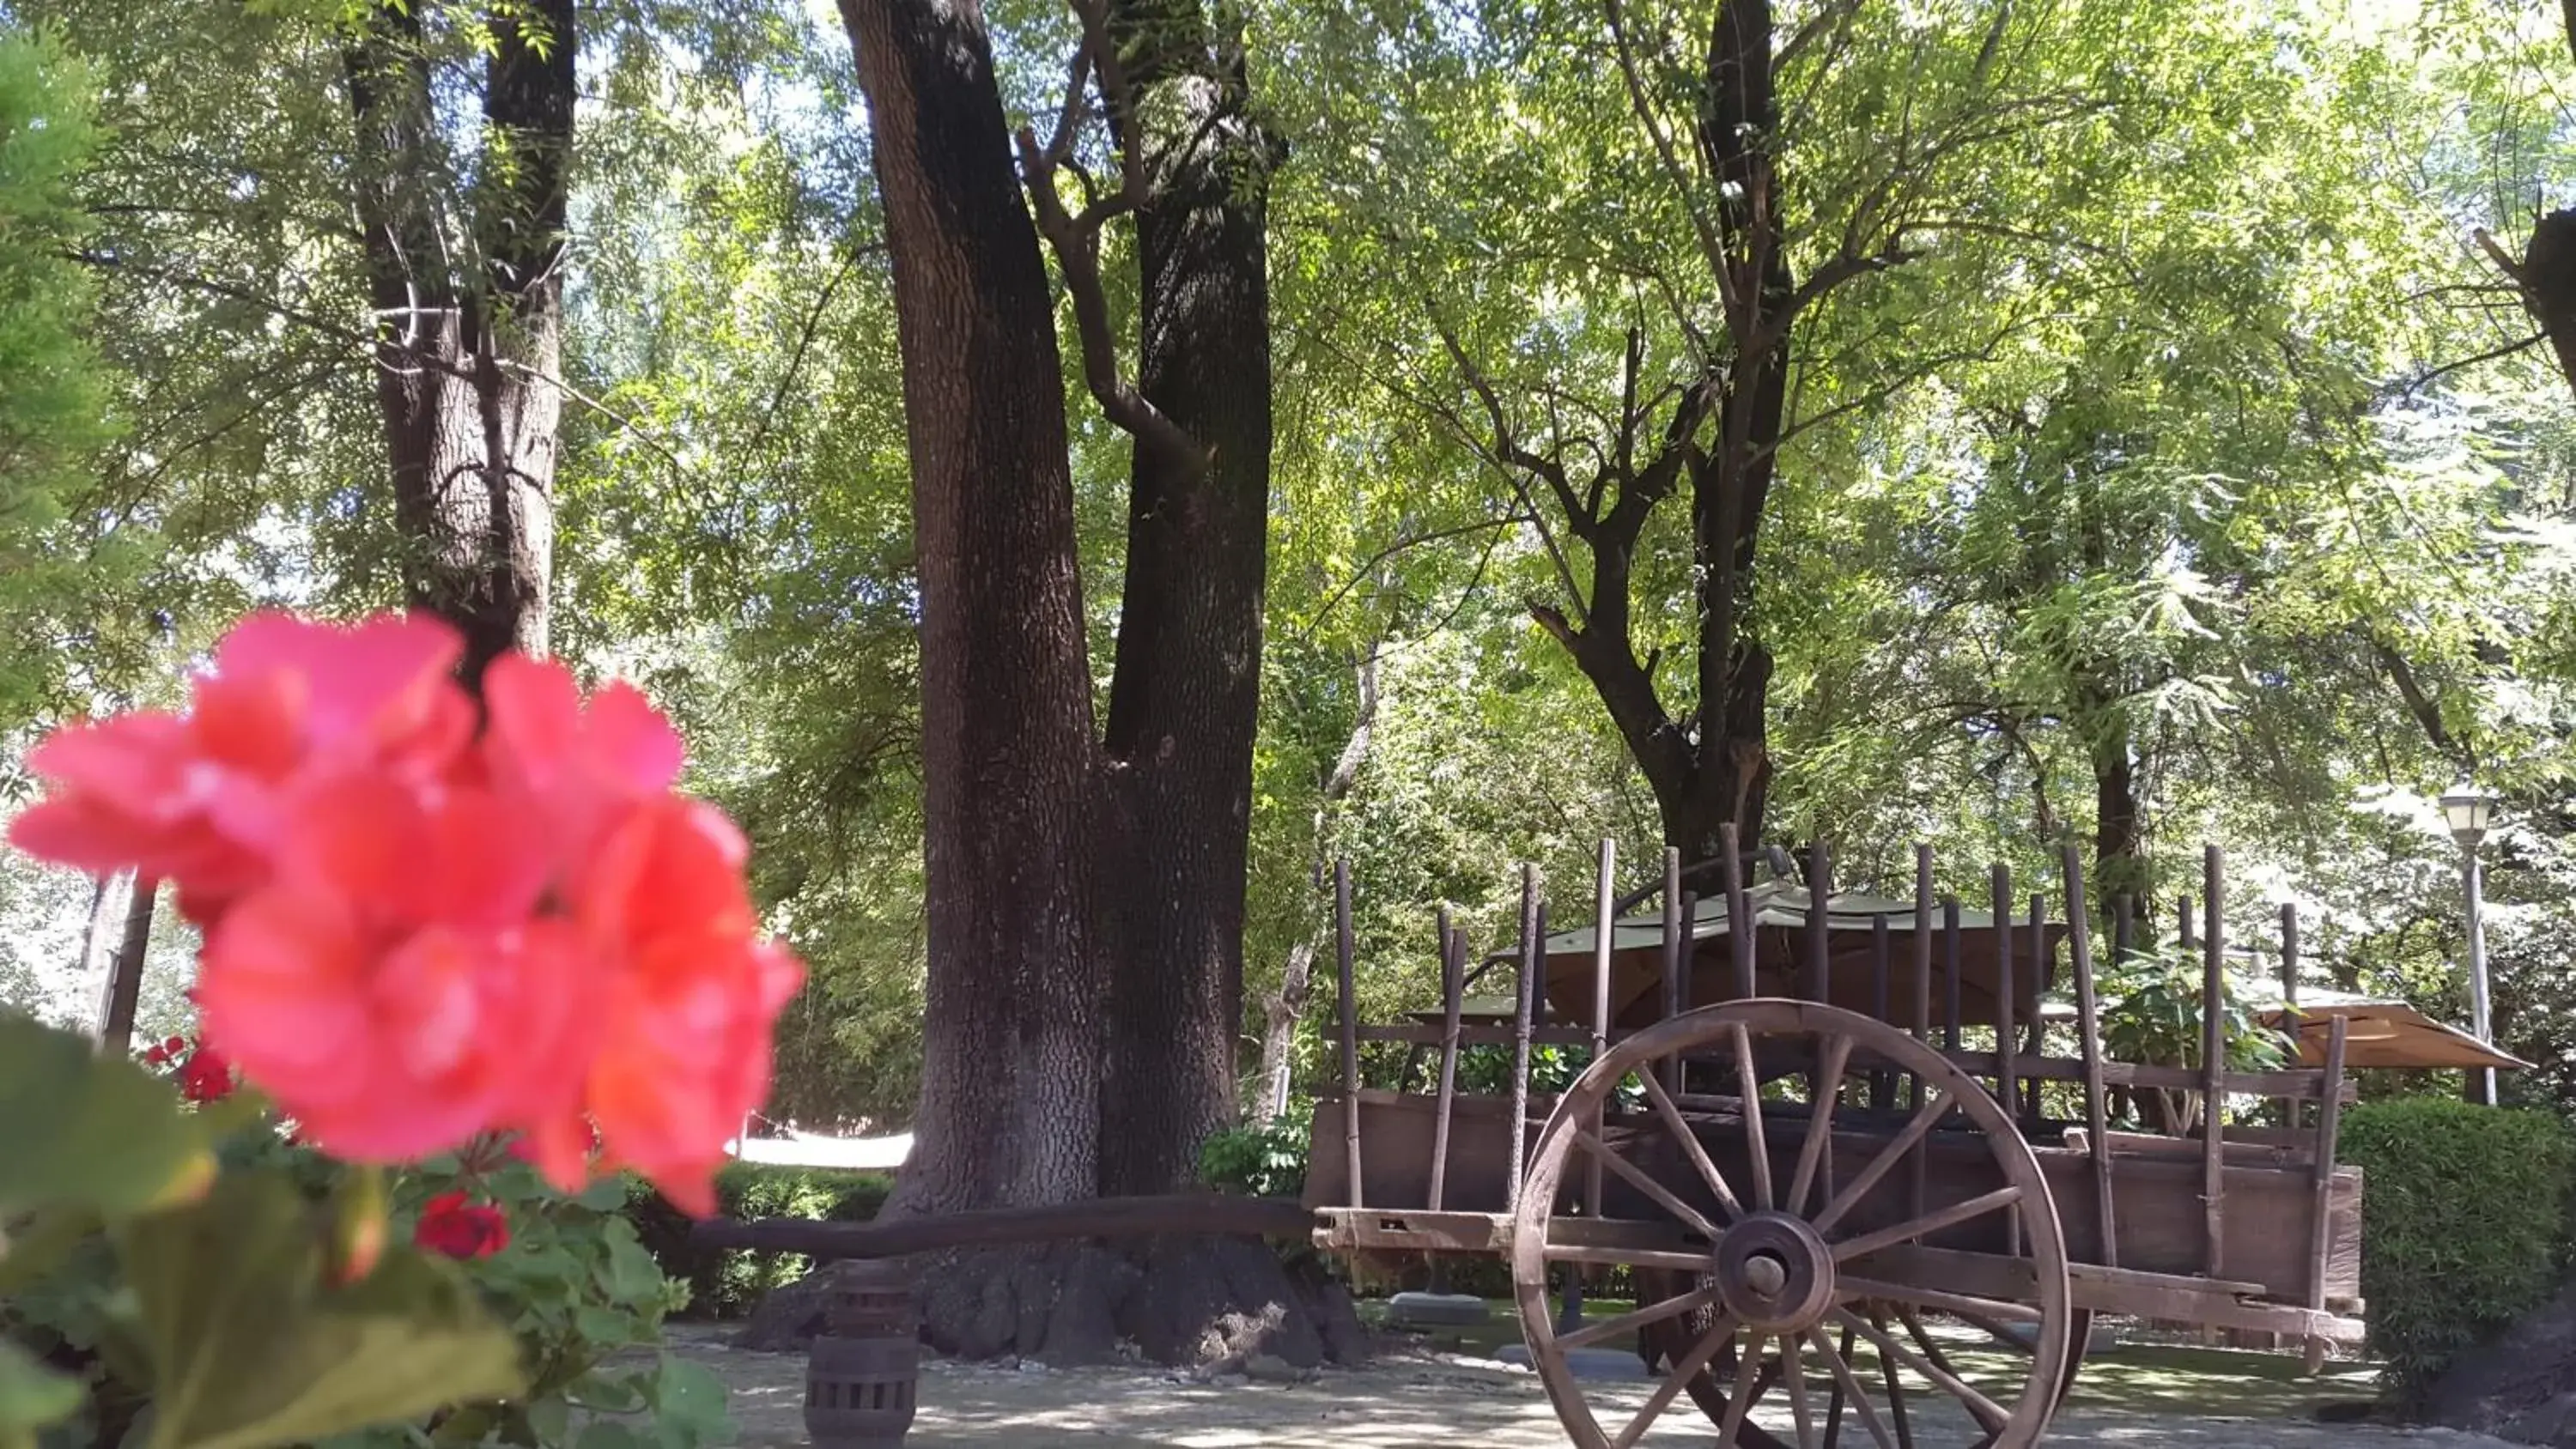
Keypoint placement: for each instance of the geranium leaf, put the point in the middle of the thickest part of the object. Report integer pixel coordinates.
(31, 1397)
(79, 1129)
(251, 1346)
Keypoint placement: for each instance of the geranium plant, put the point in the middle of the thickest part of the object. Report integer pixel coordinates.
(479, 954)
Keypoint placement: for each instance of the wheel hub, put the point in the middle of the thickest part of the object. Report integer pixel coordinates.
(1775, 1274)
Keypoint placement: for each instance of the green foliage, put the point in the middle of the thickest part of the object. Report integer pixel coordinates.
(2150, 1012)
(2465, 1220)
(726, 1283)
(1258, 1159)
(208, 1296)
(55, 412)
(209, 1310)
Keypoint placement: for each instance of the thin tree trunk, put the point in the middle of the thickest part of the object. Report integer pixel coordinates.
(1011, 1066)
(1288, 1006)
(125, 969)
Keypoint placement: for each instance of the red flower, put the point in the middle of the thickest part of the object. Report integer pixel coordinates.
(165, 1052)
(392, 987)
(449, 1225)
(692, 996)
(206, 1077)
(413, 937)
(199, 800)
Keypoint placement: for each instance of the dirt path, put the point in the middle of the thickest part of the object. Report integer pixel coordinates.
(1400, 1404)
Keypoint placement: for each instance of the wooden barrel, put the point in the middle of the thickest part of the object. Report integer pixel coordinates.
(862, 1376)
(871, 1298)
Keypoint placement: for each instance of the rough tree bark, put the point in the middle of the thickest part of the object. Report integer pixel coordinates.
(469, 328)
(1040, 971)
(1011, 1056)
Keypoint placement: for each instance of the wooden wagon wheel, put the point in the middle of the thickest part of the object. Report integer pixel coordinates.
(1764, 1250)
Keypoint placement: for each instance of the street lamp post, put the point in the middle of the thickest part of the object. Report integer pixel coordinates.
(2469, 812)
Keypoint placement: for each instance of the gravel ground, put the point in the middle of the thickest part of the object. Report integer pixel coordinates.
(1394, 1404)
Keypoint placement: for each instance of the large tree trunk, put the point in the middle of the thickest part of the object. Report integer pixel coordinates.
(1015, 1109)
(1185, 696)
(470, 330)
(1011, 1053)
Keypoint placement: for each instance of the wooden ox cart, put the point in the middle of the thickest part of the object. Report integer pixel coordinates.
(1820, 1134)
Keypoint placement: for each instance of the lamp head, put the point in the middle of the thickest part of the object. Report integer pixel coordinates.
(2468, 811)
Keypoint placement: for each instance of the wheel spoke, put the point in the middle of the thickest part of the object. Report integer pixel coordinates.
(1895, 1391)
(1692, 1147)
(1820, 1120)
(1692, 1301)
(1925, 1226)
(1643, 1181)
(1985, 1410)
(1914, 1329)
(1676, 1377)
(1748, 1081)
(1849, 1385)
(1849, 1289)
(1879, 1166)
(1801, 1413)
(1748, 1365)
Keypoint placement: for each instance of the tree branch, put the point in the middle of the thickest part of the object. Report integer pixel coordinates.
(1402, 545)
(1076, 239)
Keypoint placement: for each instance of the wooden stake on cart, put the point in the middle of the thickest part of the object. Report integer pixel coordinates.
(1524, 977)
(1676, 950)
(2320, 1236)
(1922, 1008)
(2043, 969)
(2007, 1093)
(1820, 888)
(2079, 943)
(1452, 946)
(1950, 963)
(2213, 1054)
(1343, 950)
(1603, 922)
(1882, 1088)
(2007, 1081)
(1739, 911)
(2290, 982)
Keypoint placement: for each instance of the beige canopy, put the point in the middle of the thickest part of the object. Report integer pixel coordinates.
(2382, 1034)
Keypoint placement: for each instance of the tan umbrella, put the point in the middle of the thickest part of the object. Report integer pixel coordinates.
(2383, 1034)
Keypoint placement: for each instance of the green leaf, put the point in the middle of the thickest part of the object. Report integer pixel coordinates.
(84, 1130)
(689, 1404)
(32, 1396)
(604, 1196)
(251, 1347)
(551, 1419)
(608, 1434)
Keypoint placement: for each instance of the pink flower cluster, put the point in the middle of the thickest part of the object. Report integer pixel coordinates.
(417, 930)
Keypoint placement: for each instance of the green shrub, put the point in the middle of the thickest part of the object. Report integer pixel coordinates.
(2464, 1226)
(726, 1283)
(1257, 1160)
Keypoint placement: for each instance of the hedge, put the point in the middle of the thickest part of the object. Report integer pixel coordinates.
(726, 1283)
(2465, 1226)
